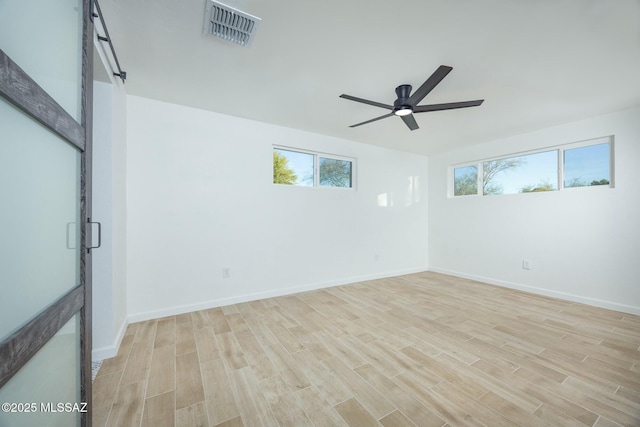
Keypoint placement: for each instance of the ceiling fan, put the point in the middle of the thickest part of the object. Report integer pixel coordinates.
(407, 103)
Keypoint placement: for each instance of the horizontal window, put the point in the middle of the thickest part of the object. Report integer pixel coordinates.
(309, 169)
(292, 167)
(582, 164)
(465, 180)
(586, 166)
(334, 172)
(521, 174)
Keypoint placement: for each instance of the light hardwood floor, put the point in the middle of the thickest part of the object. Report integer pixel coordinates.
(417, 350)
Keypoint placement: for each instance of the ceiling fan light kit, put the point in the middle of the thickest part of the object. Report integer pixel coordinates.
(406, 105)
(403, 111)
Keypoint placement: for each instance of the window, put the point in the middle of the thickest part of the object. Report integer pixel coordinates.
(292, 167)
(335, 172)
(523, 174)
(586, 166)
(583, 164)
(465, 181)
(310, 169)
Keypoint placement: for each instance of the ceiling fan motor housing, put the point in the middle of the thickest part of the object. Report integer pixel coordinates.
(400, 105)
(403, 92)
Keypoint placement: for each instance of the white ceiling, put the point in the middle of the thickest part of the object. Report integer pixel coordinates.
(536, 63)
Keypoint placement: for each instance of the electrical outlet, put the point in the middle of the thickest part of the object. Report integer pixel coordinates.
(226, 272)
(526, 264)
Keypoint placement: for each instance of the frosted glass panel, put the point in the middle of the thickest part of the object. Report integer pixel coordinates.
(51, 377)
(44, 38)
(39, 218)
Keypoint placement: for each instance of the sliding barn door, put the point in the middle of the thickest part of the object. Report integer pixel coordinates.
(45, 128)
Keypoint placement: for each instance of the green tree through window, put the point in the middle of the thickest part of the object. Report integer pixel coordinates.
(493, 168)
(581, 164)
(335, 172)
(309, 169)
(542, 186)
(282, 174)
(465, 181)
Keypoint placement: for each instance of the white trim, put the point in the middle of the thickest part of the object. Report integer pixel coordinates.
(188, 308)
(582, 144)
(587, 142)
(612, 162)
(110, 351)
(542, 291)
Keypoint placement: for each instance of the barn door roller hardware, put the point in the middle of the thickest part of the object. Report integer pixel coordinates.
(106, 38)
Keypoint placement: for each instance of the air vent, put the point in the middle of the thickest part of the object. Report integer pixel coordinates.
(229, 24)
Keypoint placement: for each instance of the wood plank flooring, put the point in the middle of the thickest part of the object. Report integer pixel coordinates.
(418, 350)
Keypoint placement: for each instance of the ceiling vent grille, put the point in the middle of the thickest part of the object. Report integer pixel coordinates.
(229, 24)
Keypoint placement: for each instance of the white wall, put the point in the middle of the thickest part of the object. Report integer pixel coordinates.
(201, 198)
(584, 243)
(109, 300)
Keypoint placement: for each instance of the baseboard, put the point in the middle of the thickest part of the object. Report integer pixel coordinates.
(187, 308)
(541, 291)
(110, 351)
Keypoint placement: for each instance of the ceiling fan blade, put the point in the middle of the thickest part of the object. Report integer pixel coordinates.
(366, 101)
(448, 106)
(428, 86)
(372, 120)
(410, 121)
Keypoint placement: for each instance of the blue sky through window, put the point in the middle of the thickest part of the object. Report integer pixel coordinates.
(534, 169)
(584, 165)
(301, 164)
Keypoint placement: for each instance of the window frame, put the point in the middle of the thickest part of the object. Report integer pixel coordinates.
(581, 144)
(316, 168)
(560, 149)
(516, 156)
(452, 175)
